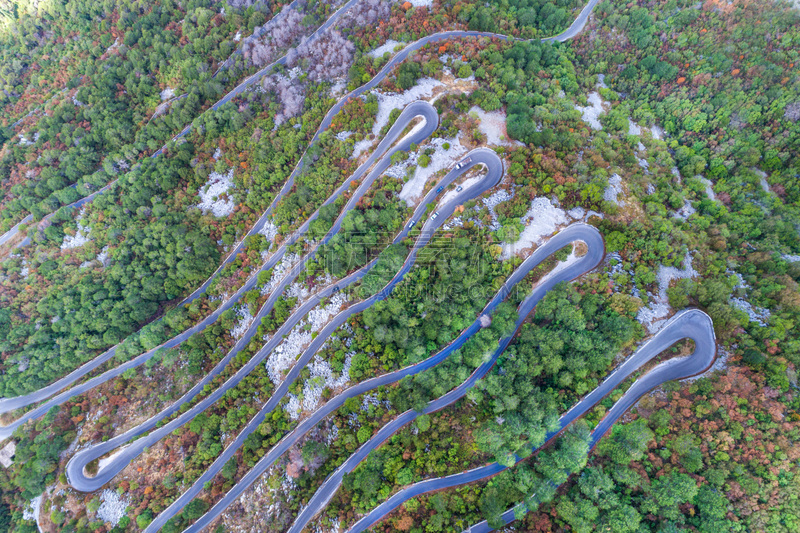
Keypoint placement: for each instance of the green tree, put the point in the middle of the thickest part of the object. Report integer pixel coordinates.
(627, 442)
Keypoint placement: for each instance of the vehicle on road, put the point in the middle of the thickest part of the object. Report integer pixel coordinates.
(440, 189)
(411, 224)
(336, 289)
(462, 163)
(433, 216)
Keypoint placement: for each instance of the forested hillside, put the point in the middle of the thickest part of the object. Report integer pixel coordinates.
(226, 149)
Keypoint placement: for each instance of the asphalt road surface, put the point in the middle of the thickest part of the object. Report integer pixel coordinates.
(13, 231)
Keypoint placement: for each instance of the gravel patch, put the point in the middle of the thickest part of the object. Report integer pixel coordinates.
(686, 211)
(759, 315)
(756, 314)
(263, 501)
(112, 508)
(81, 237)
(371, 400)
(740, 283)
(441, 159)
(269, 231)
(32, 511)
(279, 271)
(298, 290)
(389, 46)
(493, 201)
(456, 222)
(657, 132)
(652, 316)
(763, 178)
(577, 213)
(214, 196)
(667, 274)
(113, 46)
(400, 170)
(339, 87)
(493, 125)
(243, 324)
(167, 93)
(103, 257)
(541, 220)
(592, 112)
(322, 376)
(319, 316)
(285, 354)
(709, 190)
(616, 268)
(334, 527)
(614, 189)
(360, 146)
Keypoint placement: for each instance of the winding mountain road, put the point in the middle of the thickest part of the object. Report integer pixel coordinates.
(239, 89)
(11, 404)
(17, 402)
(494, 166)
(688, 324)
(75, 466)
(595, 254)
(413, 110)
